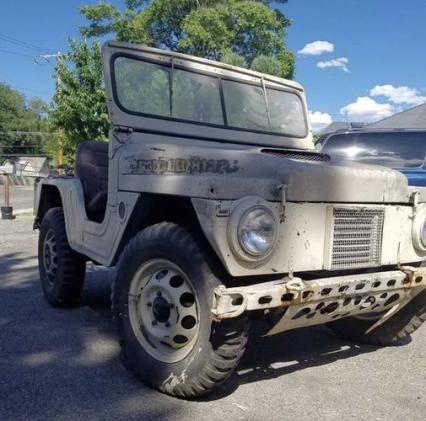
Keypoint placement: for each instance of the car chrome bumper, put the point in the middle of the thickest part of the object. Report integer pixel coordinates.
(319, 301)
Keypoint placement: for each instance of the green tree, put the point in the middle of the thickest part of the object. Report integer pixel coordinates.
(79, 105)
(207, 28)
(234, 59)
(22, 123)
(246, 33)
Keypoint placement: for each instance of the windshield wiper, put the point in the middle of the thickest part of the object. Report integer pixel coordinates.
(266, 103)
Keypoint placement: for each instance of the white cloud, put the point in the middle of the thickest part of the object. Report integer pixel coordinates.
(399, 95)
(319, 120)
(366, 109)
(316, 48)
(341, 63)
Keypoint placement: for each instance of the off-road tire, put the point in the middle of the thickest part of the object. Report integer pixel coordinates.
(394, 331)
(219, 345)
(64, 288)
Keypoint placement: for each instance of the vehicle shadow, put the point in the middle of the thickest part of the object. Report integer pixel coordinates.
(64, 362)
(271, 357)
(265, 357)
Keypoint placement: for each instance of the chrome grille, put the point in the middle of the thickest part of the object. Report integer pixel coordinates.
(357, 237)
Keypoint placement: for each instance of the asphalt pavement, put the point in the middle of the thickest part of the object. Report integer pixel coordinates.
(58, 364)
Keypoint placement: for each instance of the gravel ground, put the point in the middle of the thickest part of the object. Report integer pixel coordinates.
(63, 364)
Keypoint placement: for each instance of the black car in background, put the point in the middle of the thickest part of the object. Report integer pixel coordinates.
(403, 150)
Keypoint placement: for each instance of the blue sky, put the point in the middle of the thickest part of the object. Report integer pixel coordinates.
(372, 51)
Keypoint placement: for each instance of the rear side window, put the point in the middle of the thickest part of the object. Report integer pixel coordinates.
(390, 149)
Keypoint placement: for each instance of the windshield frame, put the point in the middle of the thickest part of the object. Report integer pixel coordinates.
(170, 66)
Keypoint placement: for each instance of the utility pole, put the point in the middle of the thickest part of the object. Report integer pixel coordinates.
(59, 58)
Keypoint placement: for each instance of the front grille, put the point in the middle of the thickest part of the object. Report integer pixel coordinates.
(298, 155)
(357, 237)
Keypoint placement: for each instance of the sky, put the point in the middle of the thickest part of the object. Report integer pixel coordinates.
(358, 60)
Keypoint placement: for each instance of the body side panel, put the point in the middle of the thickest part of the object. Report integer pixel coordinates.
(98, 241)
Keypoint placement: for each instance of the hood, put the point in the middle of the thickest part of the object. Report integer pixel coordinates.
(342, 181)
(228, 171)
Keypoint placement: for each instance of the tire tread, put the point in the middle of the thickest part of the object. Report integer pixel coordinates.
(223, 358)
(71, 269)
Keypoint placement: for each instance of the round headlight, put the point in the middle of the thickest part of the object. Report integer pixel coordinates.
(423, 233)
(419, 231)
(256, 231)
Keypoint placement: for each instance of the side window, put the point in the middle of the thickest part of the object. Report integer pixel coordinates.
(196, 97)
(142, 87)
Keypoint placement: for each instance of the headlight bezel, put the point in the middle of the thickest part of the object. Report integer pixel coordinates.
(242, 210)
(419, 223)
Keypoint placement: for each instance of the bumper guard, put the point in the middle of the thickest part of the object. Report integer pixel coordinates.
(319, 301)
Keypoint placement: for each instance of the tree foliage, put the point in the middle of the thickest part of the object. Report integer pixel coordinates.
(246, 33)
(208, 28)
(21, 122)
(79, 105)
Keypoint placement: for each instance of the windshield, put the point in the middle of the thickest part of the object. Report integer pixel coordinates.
(390, 149)
(152, 89)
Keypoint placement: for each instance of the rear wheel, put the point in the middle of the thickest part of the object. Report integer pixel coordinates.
(162, 298)
(392, 332)
(61, 269)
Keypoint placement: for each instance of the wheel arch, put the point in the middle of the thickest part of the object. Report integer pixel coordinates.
(155, 208)
(49, 197)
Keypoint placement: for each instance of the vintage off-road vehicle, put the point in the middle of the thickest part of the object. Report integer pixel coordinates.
(214, 208)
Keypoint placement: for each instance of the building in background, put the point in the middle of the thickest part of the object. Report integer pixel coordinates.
(413, 118)
(25, 169)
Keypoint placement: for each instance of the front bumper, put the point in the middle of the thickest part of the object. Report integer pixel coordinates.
(318, 301)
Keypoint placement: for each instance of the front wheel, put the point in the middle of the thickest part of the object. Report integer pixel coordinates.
(162, 300)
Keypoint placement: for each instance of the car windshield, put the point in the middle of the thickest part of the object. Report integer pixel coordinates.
(390, 149)
(152, 89)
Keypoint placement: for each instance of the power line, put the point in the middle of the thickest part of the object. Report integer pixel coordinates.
(15, 53)
(59, 57)
(20, 43)
(20, 146)
(22, 154)
(25, 88)
(24, 132)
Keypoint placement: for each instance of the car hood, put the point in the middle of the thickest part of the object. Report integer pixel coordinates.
(229, 171)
